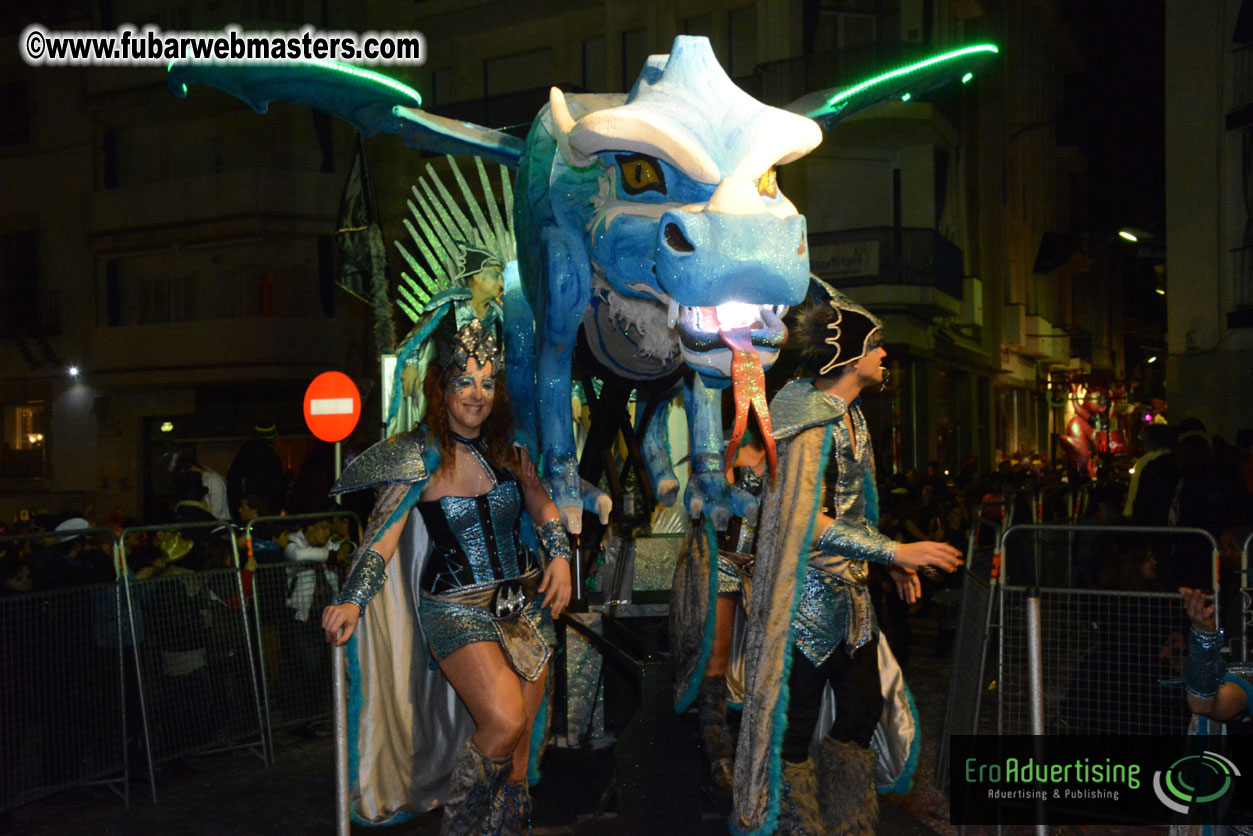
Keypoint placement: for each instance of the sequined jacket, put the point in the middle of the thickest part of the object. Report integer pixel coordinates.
(835, 601)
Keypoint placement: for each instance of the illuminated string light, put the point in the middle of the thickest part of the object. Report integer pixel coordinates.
(966, 78)
(906, 97)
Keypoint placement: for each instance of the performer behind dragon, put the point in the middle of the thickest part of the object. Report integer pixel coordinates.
(810, 621)
(479, 594)
(734, 568)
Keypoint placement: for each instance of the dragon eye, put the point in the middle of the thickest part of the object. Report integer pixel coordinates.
(641, 173)
(768, 184)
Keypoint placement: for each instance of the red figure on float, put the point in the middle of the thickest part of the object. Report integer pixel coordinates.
(1080, 439)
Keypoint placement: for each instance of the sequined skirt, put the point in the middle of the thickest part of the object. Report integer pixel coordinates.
(455, 619)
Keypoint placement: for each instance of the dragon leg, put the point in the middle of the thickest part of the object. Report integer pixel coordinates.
(569, 293)
(520, 360)
(655, 448)
(708, 491)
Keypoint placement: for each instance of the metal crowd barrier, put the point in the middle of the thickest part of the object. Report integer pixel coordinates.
(286, 605)
(1039, 505)
(161, 662)
(1078, 661)
(193, 644)
(970, 646)
(1106, 640)
(63, 682)
(1103, 655)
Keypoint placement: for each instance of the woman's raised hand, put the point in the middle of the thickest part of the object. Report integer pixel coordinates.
(1200, 608)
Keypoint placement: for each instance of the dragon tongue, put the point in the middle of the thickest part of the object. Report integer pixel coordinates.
(748, 385)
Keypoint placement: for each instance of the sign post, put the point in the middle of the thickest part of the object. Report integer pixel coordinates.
(332, 409)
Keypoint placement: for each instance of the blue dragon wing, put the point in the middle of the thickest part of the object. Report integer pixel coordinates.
(369, 101)
(830, 106)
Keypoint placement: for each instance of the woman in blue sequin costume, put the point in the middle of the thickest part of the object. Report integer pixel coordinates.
(481, 597)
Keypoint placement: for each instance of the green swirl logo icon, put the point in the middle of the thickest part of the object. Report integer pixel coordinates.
(1195, 779)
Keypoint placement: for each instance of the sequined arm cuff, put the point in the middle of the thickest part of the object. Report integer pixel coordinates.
(552, 536)
(1204, 668)
(364, 581)
(857, 543)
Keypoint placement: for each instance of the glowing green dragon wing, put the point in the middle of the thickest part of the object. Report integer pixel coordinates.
(828, 107)
(369, 101)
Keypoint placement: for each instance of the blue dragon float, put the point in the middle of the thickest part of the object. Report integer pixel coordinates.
(651, 221)
(650, 232)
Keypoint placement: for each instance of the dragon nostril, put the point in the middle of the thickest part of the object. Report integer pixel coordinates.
(676, 241)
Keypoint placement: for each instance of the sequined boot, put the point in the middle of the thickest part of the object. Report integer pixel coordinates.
(851, 807)
(511, 810)
(475, 781)
(798, 803)
(715, 735)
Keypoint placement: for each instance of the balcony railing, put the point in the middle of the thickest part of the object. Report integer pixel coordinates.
(887, 256)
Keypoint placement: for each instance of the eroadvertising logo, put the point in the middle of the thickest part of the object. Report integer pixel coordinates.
(1021, 779)
(1175, 786)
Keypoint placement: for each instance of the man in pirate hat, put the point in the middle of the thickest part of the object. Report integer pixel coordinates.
(811, 627)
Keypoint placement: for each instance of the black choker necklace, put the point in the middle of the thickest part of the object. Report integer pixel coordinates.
(469, 442)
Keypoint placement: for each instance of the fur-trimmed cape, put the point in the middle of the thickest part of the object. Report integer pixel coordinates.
(804, 422)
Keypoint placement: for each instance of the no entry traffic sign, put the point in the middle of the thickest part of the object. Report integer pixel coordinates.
(332, 406)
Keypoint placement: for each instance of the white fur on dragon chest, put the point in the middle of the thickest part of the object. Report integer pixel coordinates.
(630, 336)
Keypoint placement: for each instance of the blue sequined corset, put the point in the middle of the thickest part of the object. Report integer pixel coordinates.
(474, 539)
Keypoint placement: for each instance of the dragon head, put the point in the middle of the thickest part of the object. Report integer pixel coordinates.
(689, 212)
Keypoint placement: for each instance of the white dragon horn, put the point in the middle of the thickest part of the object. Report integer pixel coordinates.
(563, 123)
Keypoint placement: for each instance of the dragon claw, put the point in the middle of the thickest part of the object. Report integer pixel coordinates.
(572, 518)
(710, 493)
(573, 496)
(668, 492)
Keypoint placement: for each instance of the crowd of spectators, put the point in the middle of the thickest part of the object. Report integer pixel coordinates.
(1178, 476)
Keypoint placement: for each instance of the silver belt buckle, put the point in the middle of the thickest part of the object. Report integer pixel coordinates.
(508, 600)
